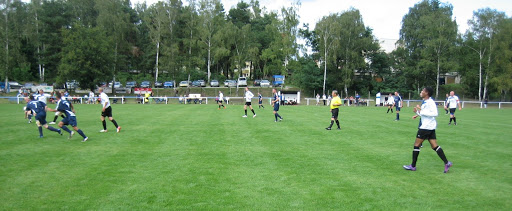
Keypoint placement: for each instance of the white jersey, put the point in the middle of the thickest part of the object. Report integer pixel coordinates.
(42, 97)
(221, 96)
(428, 114)
(248, 96)
(391, 100)
(453, 101)
(104, 99)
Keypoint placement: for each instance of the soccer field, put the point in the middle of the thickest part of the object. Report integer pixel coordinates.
(196, 157)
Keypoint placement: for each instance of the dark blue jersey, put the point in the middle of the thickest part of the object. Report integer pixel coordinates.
(36, 107)
(64, 106)
(398, 101)
(259, 98)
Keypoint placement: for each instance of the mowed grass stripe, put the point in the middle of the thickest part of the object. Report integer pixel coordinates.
(198, 157)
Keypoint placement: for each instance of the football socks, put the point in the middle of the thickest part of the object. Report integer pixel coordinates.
(415, 154)
(440, 152)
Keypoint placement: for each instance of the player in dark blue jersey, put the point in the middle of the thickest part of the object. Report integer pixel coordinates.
(260, 101)
(275, 103)
(398, 105)
(67, 109)
(38, 109)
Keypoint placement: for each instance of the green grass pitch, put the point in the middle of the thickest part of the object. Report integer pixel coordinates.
(196, 157)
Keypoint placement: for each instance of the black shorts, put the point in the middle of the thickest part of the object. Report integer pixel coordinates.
(426, 134)
(335, 113)
(220, 101)
(452, 111)
(248, 103)
(276, 106)
(107, 112)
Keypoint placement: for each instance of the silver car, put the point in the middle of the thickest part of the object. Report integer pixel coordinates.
(214, 83)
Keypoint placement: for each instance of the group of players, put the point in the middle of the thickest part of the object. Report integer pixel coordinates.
(37, 107)
(248, 95)
(427, 111)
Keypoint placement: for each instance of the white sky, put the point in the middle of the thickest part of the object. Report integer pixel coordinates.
(383, 16)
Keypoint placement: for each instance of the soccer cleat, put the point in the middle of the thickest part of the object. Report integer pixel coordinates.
(328, 128)
(244, 116)
(29, 121)
(71, 134)
(455, 123)
(254, 116)
(42, 137)
(103, 131)
(85, 139)
(51, 123)
(449, 123)
(410, 168)
(338, 129)
(119, 129)
(60, 132)
(275, 121)
(224, 107)
(447, 166)
(280, 119)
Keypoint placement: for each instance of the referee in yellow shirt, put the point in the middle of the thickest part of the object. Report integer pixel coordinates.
(335, 104)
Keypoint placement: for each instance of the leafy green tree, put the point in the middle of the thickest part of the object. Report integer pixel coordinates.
(86, 56)
(483, 29)
(429, 35)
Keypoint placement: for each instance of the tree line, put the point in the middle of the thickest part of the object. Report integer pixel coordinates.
(94, 41)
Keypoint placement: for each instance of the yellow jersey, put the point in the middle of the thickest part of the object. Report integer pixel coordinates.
(335, 100)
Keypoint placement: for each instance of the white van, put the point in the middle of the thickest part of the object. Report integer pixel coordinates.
(242, 81)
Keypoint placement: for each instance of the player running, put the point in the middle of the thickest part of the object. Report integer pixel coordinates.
(106, 111)
(38, 109)
(248, 97)
(335, 104)
(221, 98)
(427, 129)
(275, 103)
(453, 101)
(66, 107)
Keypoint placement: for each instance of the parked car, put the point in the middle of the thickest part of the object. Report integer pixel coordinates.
(226, 82)
(184, 84)
(131, 84)
(242, 81)
(158, 84)
(117, 85)
(28, 85)
(214, 83)
(265, 83)
(231, 83)
(72, 84)
(169, 84)
(102, 84)
(202, 83)
(145, 84)
(196, 83)
(257, 82)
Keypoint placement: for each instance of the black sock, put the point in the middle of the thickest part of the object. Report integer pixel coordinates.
(415, 154)
(387, 111)
(115, 123)
(391, 110)
(397, 116)
(440, 152)
(455, 120)
(338, 123)
(81, 133)
(279, 115)
(104, 125)
(253, 111)
(245, 112)
(40, 131)
(62, 116)
(55, 118)
(451, 119)
(332, 122)
(275, 115)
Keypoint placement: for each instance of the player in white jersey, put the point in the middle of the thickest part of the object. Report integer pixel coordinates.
(453, 101)
(390, 102)
(427, 129)
(248, 97)
(221, 98)
(106, 111)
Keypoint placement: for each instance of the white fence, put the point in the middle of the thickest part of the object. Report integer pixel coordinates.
(206, 100)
